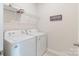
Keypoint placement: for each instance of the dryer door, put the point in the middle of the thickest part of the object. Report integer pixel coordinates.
(41, 45)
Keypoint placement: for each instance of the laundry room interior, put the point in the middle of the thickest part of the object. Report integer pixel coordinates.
(41, 29)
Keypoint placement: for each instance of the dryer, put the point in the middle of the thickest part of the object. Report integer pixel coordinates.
(41, 41)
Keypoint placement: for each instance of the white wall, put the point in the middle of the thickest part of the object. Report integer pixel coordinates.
(61, 34)
(24, 21)
(78, 22)
(78, 27)
(1, 26)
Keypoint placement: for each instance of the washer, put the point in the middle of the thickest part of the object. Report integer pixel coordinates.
(18, 44)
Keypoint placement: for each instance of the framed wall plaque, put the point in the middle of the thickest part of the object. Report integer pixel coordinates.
(56, 18)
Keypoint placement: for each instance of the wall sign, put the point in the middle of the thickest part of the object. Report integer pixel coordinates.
(56, 18)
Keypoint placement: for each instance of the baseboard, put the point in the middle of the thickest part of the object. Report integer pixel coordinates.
(57, 53)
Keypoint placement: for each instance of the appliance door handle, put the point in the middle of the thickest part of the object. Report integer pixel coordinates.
(39, 38)
(15, 46)
(76, 44)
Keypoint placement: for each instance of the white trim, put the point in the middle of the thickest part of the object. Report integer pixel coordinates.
(57, 53)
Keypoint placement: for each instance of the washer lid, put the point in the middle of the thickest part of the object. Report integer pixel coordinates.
(17, 39)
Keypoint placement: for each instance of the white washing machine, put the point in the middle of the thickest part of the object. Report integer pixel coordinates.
(41, 39)
(18, 44)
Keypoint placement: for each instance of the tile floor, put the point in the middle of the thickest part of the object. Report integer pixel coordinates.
(49, 54)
